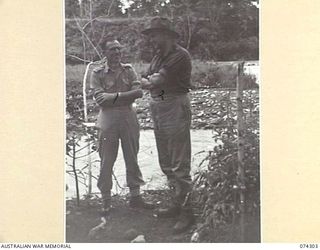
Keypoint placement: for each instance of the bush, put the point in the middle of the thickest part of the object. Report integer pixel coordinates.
(217, 185)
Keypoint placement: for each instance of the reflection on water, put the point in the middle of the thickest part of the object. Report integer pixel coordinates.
(202, 142)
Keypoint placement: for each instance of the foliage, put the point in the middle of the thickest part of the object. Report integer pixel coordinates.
(221, 75)
(217, 186)
(86, 8)
(210, 29)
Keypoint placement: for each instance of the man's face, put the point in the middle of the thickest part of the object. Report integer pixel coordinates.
(113, 55)
(158, 40)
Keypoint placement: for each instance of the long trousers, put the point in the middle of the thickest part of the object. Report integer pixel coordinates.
(119, 123)
(172, 119)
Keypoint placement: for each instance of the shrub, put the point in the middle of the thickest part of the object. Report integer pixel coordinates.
(217, 185)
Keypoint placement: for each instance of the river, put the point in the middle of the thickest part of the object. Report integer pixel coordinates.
(202, 142)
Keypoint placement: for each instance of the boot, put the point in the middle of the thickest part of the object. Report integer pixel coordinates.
(138, 202)
(106, 207)
(186, 219)
(106, 203)
(169, 212)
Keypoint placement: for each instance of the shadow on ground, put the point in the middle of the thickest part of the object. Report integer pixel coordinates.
(80, 220)
(125, 223)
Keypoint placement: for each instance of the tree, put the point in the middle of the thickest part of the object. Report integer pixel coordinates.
(217, 30)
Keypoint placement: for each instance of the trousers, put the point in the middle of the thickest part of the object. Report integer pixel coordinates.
(172, 120)
(118, 123)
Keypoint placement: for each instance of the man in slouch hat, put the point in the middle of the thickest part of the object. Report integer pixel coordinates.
(168, 79)
(116, 87)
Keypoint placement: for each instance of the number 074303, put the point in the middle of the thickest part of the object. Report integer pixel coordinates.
(309, 245)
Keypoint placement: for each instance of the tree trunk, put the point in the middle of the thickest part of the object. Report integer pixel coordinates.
(241, 167)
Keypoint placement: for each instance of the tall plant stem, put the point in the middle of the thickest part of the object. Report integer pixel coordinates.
(74, 170)
(241, 170)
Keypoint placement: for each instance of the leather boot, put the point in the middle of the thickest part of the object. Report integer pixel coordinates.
(169, 212)
(138, 202)
(186, 219)
(106, 207)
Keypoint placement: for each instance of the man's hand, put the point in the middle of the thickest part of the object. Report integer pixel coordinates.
(145, 84)
(156, 80)
(105, 97)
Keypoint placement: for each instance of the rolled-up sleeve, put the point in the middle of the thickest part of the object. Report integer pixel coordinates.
(95, 83)
(133, 78)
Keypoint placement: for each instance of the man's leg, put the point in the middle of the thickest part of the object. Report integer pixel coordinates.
(175, 125)
(129, 134)
(180, 148)
(162, 139)
(108, 150)
(181, 159)
(169, 128)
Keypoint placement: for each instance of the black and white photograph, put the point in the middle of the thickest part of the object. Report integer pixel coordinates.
(162, 121)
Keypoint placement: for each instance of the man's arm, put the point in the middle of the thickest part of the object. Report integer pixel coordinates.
(122, 98)
(178, 66)
(99, 92)
(95, 82)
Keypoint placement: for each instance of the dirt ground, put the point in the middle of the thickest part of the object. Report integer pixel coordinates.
(125, 223)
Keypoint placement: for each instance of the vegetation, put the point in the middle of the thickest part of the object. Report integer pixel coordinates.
(216, 30)
(217, 185)
(212, 30)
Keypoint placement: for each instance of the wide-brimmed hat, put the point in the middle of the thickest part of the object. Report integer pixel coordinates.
(113, 44)
(160, 24)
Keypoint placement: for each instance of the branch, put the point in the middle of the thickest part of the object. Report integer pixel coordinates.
(109, 9)
(116, 180)
(86, 36)
(84, 26)
(80, 59)
(102, 36)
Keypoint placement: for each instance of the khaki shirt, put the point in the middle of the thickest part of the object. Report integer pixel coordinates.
(103, 79)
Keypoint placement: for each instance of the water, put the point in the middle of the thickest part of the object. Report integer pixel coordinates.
(253, 68)
(202, 142)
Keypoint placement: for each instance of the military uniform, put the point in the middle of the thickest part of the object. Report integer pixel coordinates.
(169, 81)
(117, 121)
(171, 113)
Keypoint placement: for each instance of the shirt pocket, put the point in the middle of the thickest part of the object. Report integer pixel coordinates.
(124, 81)
(109, 82)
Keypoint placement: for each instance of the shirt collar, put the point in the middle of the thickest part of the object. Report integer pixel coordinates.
(107, 68)
(173, 48)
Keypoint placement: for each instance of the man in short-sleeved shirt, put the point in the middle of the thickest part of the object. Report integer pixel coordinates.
(168, 79)
(116, 87)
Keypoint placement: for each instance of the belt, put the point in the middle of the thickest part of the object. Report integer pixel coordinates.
(118, 108)
(168, 97)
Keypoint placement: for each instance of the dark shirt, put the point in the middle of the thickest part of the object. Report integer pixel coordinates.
(175, 67)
